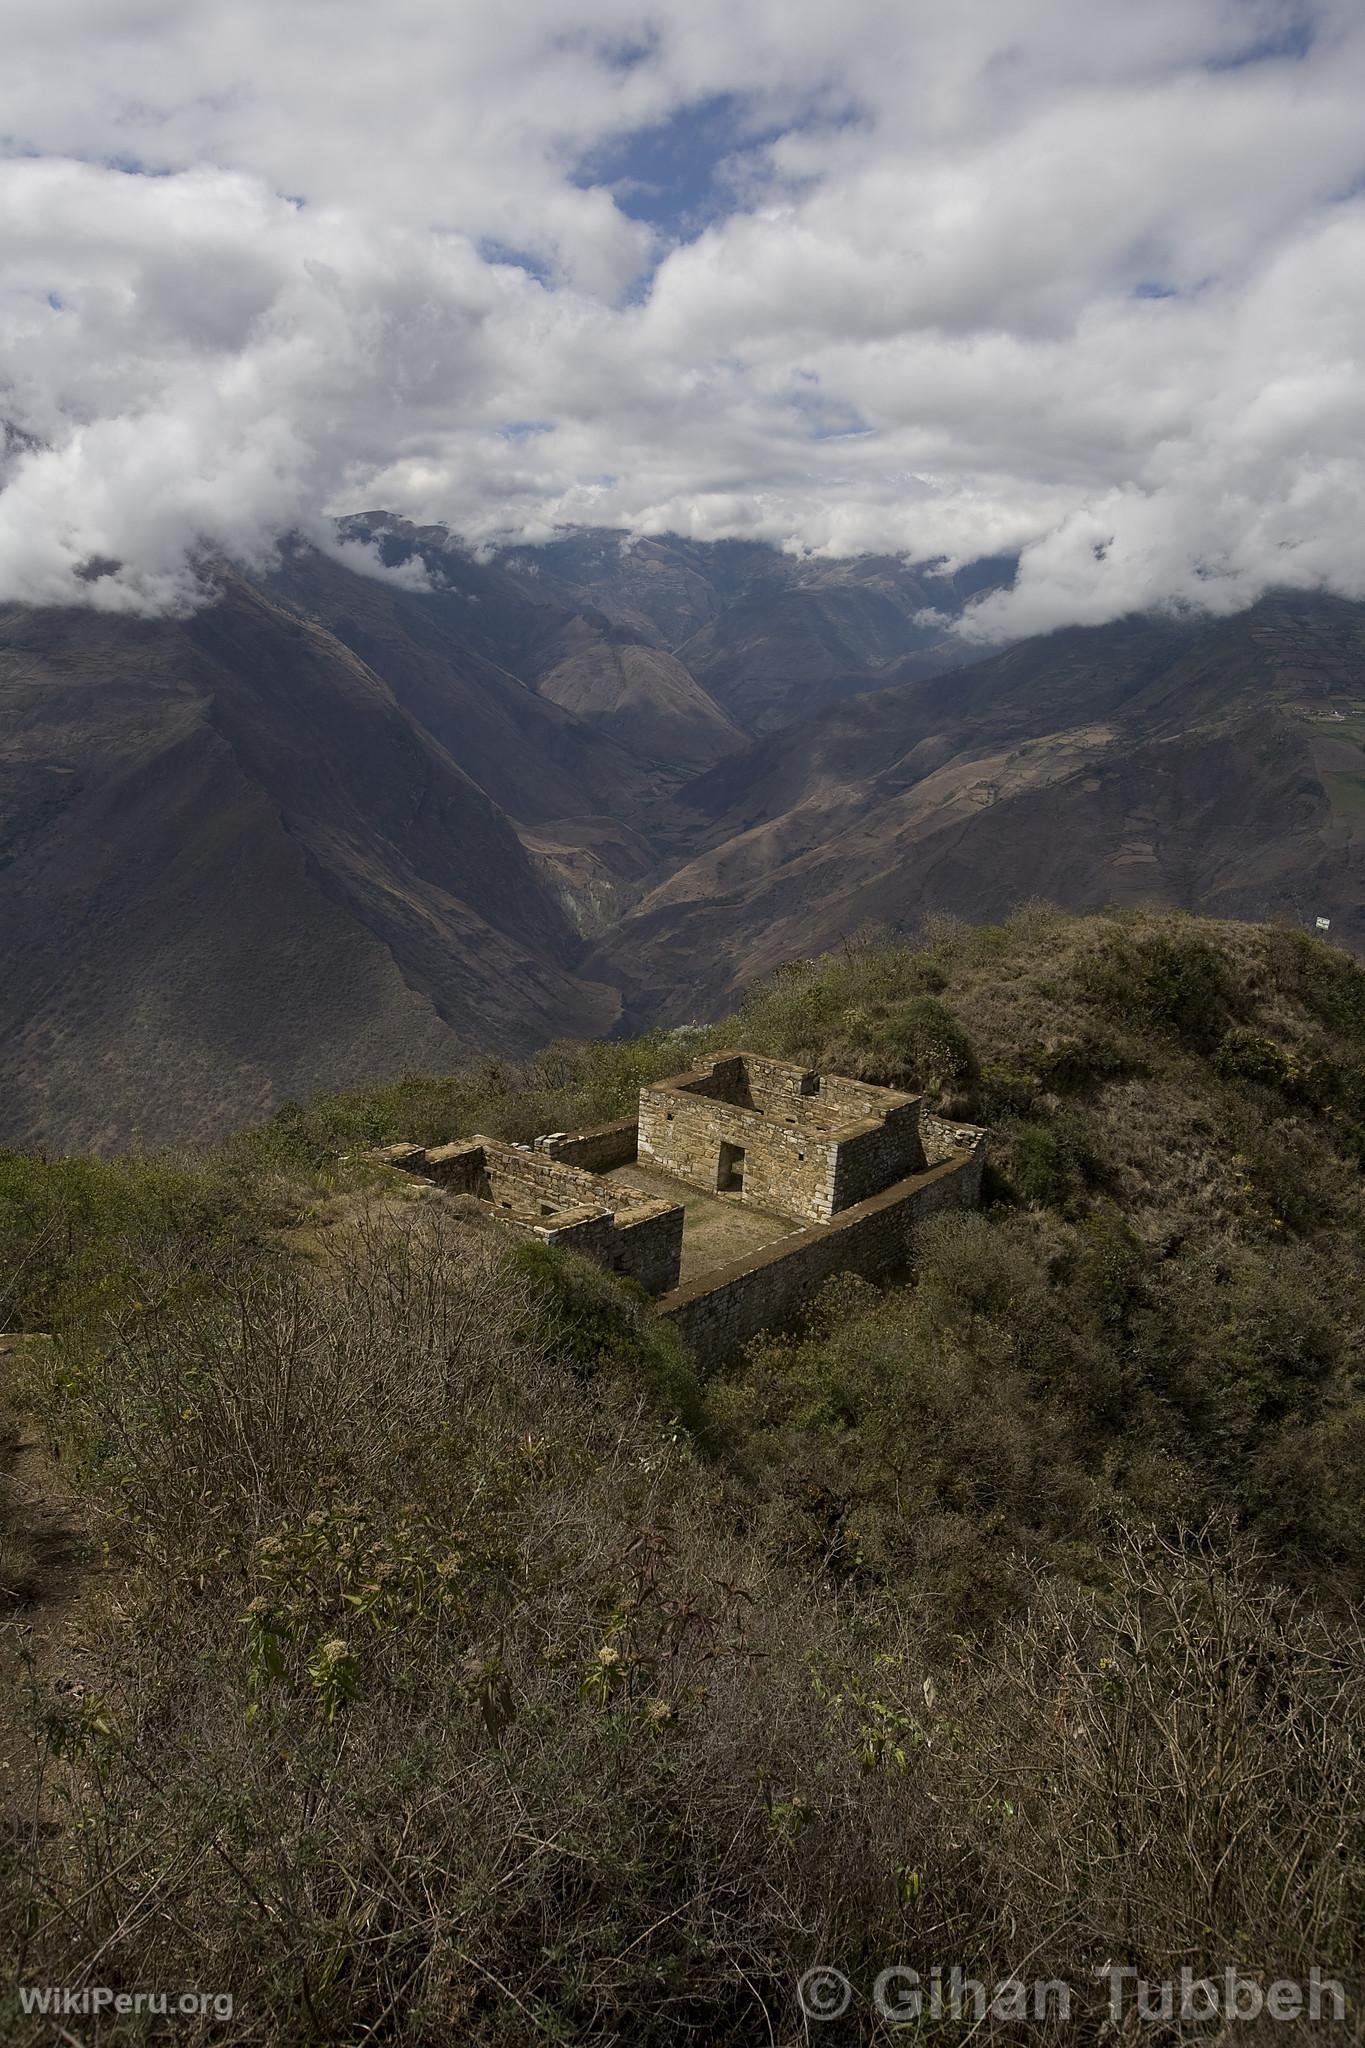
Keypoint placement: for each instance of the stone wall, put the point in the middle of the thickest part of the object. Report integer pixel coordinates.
(628, 1232)
(721, 1310)
(642, 1245)
(812, 1144)
(518, 1177)
(459, 1169)
(856, 1101)
(649, 1245)
(883, 1150)
(773, 1086)
(596, 1150)
(945, 1138)
(786, 1169)
(721, 1078)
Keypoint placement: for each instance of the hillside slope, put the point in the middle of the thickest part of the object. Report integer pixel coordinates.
(643, 699)
(1019, 1601)
(771, 637)
(1215, 765)
(1177, 1111)
(235, 869)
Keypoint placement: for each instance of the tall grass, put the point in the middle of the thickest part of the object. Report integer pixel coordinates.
(447, 1693)
(467, 1670)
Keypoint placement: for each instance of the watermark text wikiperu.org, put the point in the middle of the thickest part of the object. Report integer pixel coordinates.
(100, 2001)
(1119, 1992)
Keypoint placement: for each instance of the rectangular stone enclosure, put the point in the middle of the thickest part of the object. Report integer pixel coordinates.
(546, 1198)
(789, 1140)
(857, 1168)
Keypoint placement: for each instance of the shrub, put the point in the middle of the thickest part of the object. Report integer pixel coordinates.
(925, 1047)
(1006, 1092)
(1175, 984)
(72, 1231)
(1326, 980)
(1050, 1162)
(1245, 1056)
(1073, 1066)
(605, 1325)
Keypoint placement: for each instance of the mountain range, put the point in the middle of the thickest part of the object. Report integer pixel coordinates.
(337, 825)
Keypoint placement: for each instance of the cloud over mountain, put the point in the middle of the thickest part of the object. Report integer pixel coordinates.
(1081, 280)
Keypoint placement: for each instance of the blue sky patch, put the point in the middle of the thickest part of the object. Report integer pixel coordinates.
(670, 175)
(1294, 41)
(494, 251)
(702, 164)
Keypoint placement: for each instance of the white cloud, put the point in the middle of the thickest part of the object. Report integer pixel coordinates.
(256, 269)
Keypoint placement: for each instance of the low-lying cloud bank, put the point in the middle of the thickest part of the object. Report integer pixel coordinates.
(1081, 281)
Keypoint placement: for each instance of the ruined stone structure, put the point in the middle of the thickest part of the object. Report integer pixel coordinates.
(721, 1310)
(560, 1204)
(797, 1143)
(854, 1167)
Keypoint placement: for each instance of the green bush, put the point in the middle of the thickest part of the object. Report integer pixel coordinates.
(1050, 1162)
(73, 1231)
(605, 1326)
(1073, 1066)
(925, 1047)
(1173, 983)
(1006, 1092)
(1245, 1056)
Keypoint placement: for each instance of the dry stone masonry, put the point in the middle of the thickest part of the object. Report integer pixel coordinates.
(560, 1204)
(794, 1142)
(856, 1166)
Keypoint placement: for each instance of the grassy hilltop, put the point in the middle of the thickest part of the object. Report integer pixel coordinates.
(459, 1666)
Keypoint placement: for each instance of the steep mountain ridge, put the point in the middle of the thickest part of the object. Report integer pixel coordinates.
(1211, 764)
(644, 698)
(337, 825)
(770, 636)
(234, 866)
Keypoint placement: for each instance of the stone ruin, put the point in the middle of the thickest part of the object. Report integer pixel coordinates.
(560, 1204)
(826, 1175)
(797, 1143)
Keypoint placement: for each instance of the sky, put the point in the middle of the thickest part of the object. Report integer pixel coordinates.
(1081, 280)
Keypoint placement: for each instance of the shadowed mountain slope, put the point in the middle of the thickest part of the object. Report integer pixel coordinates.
(771, 637)
(1216, 765)
(336, 825)
(235, 868)
(644, 700)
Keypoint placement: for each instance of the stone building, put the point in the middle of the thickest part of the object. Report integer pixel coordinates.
(795, 1142)
(616, 1226)
(738, 1190)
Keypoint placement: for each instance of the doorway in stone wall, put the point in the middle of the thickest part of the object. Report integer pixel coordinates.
(730, 1171)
